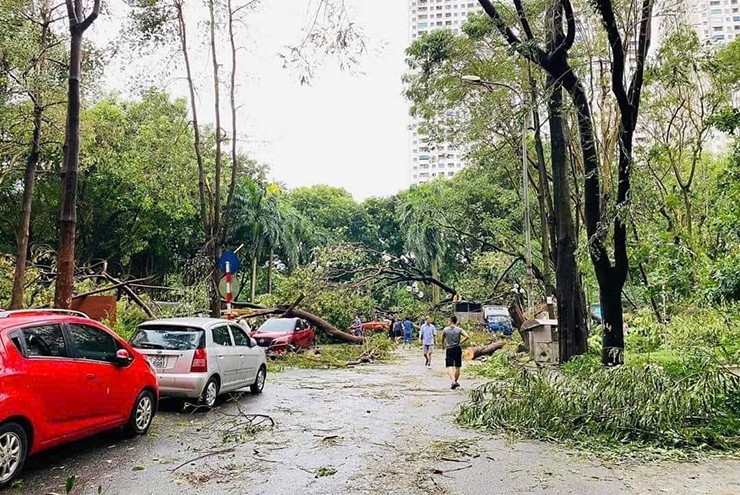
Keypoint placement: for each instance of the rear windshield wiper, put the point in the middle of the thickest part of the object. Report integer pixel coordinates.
(149, 345)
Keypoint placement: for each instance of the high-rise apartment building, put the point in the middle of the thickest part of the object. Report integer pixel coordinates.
(428, 160)
(716, 20)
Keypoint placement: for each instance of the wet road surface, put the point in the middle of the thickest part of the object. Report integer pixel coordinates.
(385, 429)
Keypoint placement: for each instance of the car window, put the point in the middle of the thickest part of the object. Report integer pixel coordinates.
(240, 338)
(17, 339)
(169, 337)
(92, 343)
(44, 341)
(221, 336)
(300, 325)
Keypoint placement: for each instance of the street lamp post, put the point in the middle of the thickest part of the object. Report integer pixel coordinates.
(472, 79)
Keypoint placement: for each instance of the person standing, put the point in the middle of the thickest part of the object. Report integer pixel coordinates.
(358, 326)
(408, 332)
(427, 332)
(452, 339)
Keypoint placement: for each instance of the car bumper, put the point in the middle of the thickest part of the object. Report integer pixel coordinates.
(185, 386)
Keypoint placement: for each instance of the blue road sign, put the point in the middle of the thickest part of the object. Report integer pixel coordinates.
(232, 259)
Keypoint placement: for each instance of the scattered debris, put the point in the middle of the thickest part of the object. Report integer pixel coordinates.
(325, 471)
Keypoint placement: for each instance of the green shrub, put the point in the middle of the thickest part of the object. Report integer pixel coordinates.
(689, 407)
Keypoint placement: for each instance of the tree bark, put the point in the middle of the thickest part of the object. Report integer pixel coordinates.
(543, 197)
(214, 237)
(253, 280)
(485, 350)
(573, 333)
(28, 182)
(435, 275)
(68, 218)
(269, 271)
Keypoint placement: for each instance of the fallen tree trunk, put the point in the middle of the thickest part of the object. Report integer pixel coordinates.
(486, 350)
(319, 323)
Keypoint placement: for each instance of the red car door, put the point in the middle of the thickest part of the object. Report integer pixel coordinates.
(103, 397)
(305, 334)
(53, 379)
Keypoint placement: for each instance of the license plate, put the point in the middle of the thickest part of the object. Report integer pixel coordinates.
(158, 362)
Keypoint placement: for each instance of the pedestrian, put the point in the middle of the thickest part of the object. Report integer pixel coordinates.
(452, 339)
(391, 333)
(398, 331)
(408, 332)
(358, 326)
(427, 332)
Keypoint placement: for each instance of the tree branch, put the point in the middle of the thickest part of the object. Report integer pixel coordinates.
(82, 26)
(523, 19)
(609, 22)
(530, 52)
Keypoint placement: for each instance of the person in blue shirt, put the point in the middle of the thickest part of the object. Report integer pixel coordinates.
(427, 332)
(408, 331)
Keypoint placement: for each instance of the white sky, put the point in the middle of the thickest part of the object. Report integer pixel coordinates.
(346, 129)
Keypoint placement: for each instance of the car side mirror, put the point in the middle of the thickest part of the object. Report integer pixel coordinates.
(122, 357)
(252, 342)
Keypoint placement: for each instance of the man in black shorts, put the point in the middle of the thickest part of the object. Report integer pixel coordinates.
(452, 339)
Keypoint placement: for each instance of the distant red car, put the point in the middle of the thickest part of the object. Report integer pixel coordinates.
(63, 377)
(282, 334)
(376, 326)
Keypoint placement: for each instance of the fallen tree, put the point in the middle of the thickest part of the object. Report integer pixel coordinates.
(291, 311)
(485, 350)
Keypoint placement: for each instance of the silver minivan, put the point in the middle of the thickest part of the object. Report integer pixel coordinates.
(201, 358)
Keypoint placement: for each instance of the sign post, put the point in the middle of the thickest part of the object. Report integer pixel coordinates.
(228, 290)
(229, 264)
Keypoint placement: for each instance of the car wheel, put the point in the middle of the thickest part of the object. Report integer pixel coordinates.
(142, 415)
(13, 451)
(210, 393)
(259, 381)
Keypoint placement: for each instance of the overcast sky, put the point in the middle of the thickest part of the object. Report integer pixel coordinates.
(347, 129)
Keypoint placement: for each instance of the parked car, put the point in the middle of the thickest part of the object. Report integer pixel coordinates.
(500, 323)
(201, 358)
(281, 334)
(64, 377)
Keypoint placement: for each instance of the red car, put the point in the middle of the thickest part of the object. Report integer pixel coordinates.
(282, 334)
(376, 326)
(63, 377)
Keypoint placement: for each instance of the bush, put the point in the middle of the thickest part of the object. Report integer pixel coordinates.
(692, 406)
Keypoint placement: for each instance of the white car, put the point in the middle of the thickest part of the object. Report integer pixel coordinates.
(201, 358)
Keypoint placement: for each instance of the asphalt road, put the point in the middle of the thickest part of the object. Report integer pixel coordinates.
(385, 429)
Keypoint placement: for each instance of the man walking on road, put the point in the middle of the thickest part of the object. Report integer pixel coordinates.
(452, 339)
(408, 332)
(427, 332)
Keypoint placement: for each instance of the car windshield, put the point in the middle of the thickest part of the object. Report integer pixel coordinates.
(167, 337)
(500, 319)
(278, 325)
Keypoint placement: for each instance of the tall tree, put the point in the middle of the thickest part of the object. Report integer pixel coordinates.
(611, 276)
(78, 24)
(34, 87)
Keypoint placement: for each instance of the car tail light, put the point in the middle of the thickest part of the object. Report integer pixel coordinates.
(200, 361)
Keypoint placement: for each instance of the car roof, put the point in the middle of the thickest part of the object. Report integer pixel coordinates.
(199, 322)
(20, 318)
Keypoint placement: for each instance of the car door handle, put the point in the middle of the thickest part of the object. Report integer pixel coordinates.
(91, 377)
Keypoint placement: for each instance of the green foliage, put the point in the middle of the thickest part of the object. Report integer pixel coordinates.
(675, 394)
(616, 411)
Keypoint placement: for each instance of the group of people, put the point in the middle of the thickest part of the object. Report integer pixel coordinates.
(452, 337)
